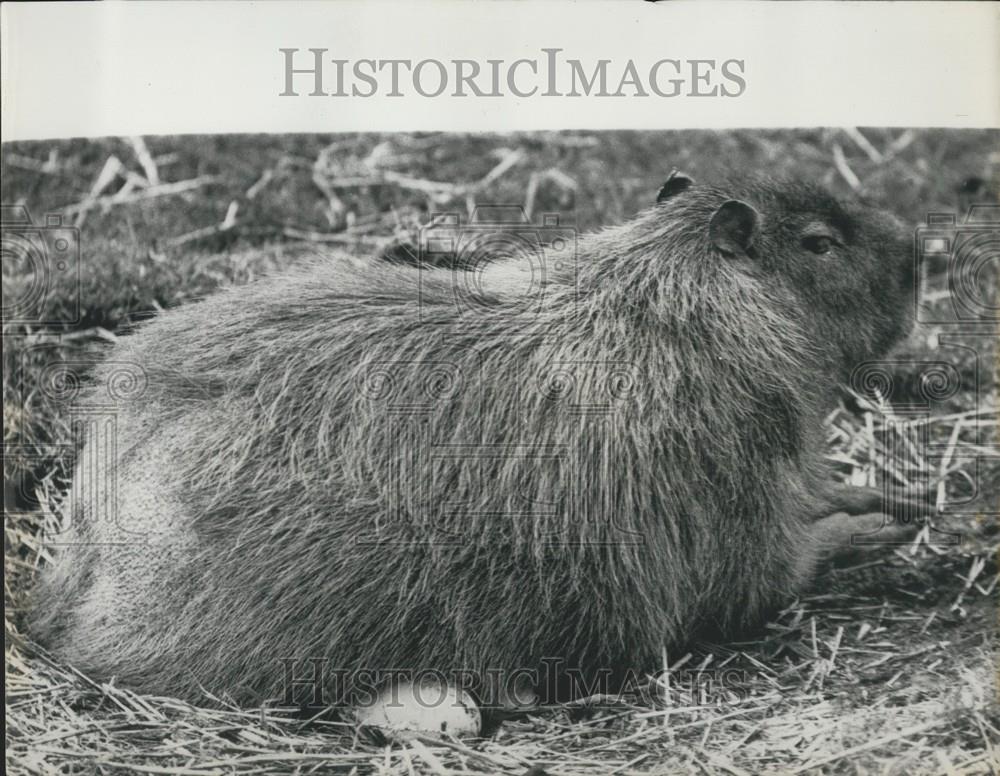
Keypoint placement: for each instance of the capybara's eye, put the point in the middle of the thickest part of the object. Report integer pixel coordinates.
(817, 243)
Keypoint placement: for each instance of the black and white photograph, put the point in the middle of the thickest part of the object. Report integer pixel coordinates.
(510, 440)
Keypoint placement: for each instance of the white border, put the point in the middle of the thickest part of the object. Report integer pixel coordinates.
(164, 68)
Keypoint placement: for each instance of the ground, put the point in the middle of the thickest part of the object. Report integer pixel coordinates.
(887, 666)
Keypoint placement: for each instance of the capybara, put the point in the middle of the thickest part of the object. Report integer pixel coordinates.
(347, 463)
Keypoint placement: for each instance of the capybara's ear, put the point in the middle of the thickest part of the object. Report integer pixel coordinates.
(733, 227)
(676, 183)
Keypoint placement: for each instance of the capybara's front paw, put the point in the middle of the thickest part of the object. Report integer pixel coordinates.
(842, 537)
(861, 501)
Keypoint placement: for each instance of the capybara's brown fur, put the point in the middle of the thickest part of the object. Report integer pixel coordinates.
(341, 463)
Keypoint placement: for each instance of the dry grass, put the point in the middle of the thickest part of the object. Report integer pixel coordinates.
(841, 681)
(889, 666)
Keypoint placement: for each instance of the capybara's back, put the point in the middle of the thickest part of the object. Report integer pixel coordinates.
(348, 463)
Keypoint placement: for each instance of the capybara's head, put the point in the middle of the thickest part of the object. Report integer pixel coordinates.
(845, 269)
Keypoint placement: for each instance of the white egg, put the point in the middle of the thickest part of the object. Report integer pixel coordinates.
(427, 707)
